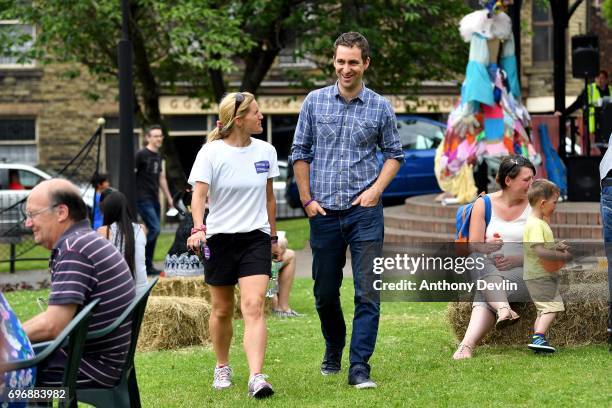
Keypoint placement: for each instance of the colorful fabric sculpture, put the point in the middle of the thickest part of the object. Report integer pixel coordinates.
(489, 120)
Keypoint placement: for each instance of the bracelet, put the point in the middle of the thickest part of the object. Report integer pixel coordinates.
(198, 229)
(274, 239)
(307, 203)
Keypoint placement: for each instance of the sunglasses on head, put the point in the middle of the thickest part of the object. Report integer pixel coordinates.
(517, 161)
(239, 100)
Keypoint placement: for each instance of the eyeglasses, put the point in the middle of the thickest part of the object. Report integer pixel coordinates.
(31, 214)
(239, 100)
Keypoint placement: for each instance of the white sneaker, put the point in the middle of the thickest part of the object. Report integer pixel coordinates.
(223, 377)
(259, 387)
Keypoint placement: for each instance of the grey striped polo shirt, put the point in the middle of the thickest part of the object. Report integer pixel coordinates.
(85, 266)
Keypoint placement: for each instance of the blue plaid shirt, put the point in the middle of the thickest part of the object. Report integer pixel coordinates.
(339, 141)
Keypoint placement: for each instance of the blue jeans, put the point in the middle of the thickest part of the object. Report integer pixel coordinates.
(362, 230)
(606, 221)
(149, 211)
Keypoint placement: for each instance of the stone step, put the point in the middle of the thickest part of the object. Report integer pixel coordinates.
(582, 213)
(397, 217)
(402, 236)
(412, 222)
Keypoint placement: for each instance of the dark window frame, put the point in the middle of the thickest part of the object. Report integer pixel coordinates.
(545, 55)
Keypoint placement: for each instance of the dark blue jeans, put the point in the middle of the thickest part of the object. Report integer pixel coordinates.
(606, 221)
(362, 230)
(149, 211)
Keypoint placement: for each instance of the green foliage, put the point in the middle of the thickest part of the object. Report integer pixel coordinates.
(606, 8)
(173, 41)
(184, 40)
(410, 40)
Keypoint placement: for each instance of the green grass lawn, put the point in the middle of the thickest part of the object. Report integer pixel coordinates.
(298, 231)
(412, 365)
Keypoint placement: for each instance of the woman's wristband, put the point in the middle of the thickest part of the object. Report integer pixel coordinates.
(201, 228)
(307, 203)
(274, 239)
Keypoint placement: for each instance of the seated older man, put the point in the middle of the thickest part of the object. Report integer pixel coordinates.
(84, 266)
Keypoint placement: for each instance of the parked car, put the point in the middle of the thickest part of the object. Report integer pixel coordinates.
(419, 138)
(10, 194)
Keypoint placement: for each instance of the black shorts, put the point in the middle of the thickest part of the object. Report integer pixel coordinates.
(234, 256)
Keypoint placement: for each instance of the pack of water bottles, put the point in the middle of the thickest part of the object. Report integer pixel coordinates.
(185, 264)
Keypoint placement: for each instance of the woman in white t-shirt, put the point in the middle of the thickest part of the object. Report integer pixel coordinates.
(235, 171)
(127, 236)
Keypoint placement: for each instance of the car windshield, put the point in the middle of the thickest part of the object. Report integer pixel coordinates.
(419, 135)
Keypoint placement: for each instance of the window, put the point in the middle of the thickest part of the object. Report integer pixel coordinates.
(542, 40)
(25, 34)
(18, 140)
(418, 134)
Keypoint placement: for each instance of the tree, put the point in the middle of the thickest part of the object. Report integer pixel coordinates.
(607, 11)
(197, 44)
(410, 40)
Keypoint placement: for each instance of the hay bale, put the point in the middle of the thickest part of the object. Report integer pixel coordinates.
(583, 322)
(173, 322)
(596, 272)
(194, 287)
(182, 286)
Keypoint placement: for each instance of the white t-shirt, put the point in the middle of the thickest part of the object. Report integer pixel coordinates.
(237, 178)
(140, 241)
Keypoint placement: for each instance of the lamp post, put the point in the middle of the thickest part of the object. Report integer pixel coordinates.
(126, 111)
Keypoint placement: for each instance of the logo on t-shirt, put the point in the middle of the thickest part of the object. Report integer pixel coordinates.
(262, 166)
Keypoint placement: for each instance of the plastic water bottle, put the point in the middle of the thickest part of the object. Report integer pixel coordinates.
(273, 284)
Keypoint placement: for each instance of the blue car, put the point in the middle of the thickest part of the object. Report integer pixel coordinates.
(419, 137)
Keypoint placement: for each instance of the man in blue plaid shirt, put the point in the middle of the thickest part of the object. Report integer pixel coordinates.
(337, 173)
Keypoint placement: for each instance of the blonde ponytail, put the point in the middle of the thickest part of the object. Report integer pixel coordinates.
(227, 106)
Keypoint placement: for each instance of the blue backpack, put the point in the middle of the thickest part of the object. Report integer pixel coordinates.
(464, 214)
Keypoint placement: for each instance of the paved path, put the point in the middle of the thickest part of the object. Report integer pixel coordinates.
(304, 264)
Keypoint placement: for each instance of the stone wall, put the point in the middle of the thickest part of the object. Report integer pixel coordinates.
(65, 114)
(537, 79)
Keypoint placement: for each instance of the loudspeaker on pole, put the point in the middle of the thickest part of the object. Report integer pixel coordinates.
(585, 56)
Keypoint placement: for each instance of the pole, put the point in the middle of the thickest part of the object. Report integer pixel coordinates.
(560, 20)
(586, 132)
(126, 111)
(515, 14)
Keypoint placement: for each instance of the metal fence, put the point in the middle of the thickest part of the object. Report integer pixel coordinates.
(16, 241)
